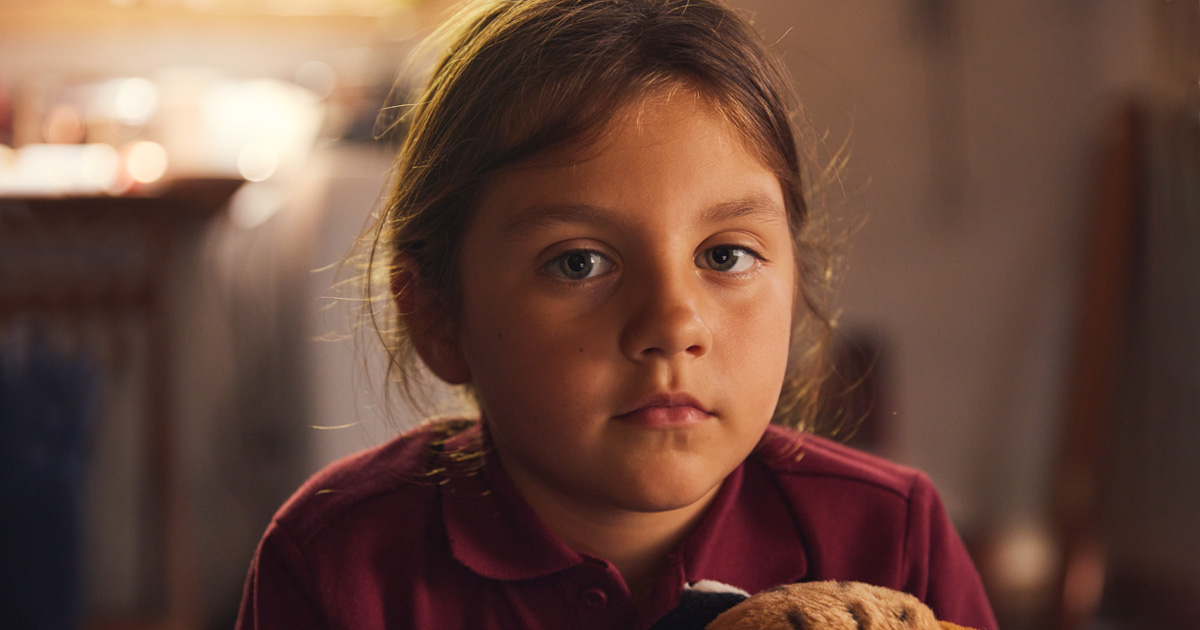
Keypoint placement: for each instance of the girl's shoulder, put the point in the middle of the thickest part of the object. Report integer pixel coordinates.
(402, 474)
(794, 456)
(867, 519)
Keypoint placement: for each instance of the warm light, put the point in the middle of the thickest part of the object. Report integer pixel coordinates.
(255, 204)
(200, 6)
(1024, 560)
(300, 7)
(101, 166)
(317, 77)
(258, 161)
(135, 101)
(146, 162)
(60, 169)
(258, 129)
(63, 125)
(8, 168)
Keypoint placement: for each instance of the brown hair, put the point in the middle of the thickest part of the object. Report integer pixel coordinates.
(519, 77)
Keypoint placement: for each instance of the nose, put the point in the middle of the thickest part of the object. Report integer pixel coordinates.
(665, 318)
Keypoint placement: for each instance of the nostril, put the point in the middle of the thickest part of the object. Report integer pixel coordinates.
(666, 350)
(663, 325)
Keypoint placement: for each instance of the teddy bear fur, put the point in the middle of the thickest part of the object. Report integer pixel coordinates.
(830, 606)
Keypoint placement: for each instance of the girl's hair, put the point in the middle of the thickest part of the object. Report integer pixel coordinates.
(522, 76)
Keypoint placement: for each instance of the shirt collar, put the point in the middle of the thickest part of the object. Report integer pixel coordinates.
(749, 538)
(492, 530)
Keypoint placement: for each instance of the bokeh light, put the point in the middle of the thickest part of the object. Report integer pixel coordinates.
(258, 161)
(146, 161)
(134, 100)
(101, 166)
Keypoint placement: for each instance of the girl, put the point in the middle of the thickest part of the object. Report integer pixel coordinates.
(598, 227)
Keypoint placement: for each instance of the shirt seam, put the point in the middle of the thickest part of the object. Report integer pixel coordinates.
(305, 580)
(902, 493)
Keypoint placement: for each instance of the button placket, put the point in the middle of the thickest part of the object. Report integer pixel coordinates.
(598, 596)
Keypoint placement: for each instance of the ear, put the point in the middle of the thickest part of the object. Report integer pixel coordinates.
(433, 334)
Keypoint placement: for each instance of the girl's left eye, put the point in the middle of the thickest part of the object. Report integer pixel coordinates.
(728, 259)
(579, 264)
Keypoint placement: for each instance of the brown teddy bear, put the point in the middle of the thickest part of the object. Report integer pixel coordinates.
(830, 606)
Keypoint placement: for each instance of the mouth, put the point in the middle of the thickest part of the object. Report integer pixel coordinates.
(666, 411)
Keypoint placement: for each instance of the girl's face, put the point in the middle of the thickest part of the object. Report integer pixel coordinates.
(626, 310)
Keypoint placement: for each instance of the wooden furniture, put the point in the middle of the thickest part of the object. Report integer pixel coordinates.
(74, 260)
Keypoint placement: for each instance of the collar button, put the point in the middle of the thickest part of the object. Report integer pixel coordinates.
(594, 597)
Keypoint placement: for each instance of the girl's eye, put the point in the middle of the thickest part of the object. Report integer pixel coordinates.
(728, 259)
(579, 264)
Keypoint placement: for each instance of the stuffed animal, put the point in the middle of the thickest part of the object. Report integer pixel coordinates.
(830, 606)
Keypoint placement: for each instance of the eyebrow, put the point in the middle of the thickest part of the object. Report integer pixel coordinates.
(756, 206)
(534, 218)
(529, 220)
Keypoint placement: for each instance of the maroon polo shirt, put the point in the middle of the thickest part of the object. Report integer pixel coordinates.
(427, 532)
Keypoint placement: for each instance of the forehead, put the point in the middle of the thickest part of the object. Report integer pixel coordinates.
(645, 116)
(673, 149)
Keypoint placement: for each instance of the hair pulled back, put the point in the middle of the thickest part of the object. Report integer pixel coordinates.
(519, 77)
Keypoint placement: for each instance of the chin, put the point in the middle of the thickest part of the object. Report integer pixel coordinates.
(667, 492)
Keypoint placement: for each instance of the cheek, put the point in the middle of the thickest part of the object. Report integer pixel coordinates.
(518, 345)
(757, 338)
(759, 346)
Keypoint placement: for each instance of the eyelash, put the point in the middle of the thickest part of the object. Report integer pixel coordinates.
(556, 266)
(756, 257)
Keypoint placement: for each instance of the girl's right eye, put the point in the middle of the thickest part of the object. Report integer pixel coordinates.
(578, 264)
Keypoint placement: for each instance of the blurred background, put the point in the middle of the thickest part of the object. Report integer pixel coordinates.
(1020, 297)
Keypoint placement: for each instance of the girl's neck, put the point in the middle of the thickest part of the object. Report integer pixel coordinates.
(637, 544)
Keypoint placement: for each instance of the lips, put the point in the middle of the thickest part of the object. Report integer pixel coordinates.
(664, 411)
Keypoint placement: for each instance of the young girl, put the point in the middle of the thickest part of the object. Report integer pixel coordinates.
(598, 227)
